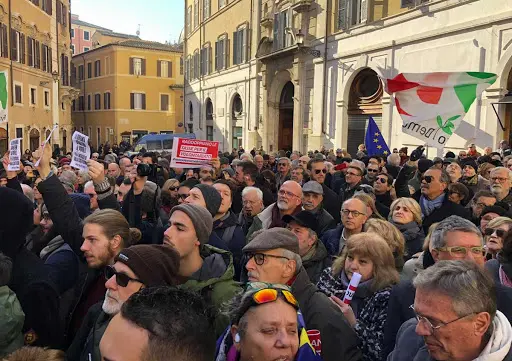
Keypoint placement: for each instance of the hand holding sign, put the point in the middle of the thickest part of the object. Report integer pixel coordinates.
(7, 163)
(43, 164)
(96, 171)
(14, 155)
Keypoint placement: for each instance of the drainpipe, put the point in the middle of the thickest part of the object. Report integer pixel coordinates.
(11, 72)
(324, 91)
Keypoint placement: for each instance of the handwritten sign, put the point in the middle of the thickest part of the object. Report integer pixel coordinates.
(14, 154)
(81, 151)
(193, 153)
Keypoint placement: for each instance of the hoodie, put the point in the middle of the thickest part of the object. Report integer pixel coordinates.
(12, 317)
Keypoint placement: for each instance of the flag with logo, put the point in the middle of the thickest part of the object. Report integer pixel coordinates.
(432, 105)
(374, 141)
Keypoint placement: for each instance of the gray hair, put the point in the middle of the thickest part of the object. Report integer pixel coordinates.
(452, 224)
(444, 178)
(503, 168)
(258, 191)
(293, 256)
(286, 159)
(28, 192)
(394, 159)
(88, 184)
(236, 162)
(468, 285)
(248, 155)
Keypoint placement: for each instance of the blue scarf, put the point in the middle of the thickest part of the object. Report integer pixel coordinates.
(429, 206)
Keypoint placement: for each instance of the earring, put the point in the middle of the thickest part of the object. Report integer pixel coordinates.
(237, 338)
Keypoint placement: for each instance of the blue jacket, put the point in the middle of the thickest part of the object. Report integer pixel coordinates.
(331, 240)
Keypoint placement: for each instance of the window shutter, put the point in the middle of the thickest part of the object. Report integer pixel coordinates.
(275, 44)
(143, 101)
(131, 66)
(105, 100)
(30, 52)
(244, 45)
(38, 55)
(22, 48)
(209, 65)
(50, 60)
(364, 11)
(14, 45)
(132, 101)
(45, 53)
(59, 11)
(342, 14)
(64, 15)
(5, 43)
(143, 67)
(406, 3)
(158, 68)
(227, 48)
(216, 55)
(169, 69)
(235, 47)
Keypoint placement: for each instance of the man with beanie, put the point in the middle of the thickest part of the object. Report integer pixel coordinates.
(273, 257)
(135, 267)
(470, 177)
(208, 270)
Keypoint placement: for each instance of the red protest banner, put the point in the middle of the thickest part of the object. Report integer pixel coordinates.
(193, 153)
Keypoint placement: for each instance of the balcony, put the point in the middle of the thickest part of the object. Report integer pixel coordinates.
(301, 6)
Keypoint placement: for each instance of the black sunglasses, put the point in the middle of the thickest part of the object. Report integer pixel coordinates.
(499, 232)
(366, 190)
(173, 188)
(318, 171)
(382, 180)
(122, 279)
(427, 178)
(182, 196)
(373, 170)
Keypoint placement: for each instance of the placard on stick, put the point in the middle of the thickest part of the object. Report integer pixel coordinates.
(14, 154)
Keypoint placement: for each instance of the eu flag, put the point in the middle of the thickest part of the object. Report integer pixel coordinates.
(375, 143)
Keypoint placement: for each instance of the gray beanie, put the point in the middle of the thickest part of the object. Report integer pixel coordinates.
(211, 197)
(201, 219)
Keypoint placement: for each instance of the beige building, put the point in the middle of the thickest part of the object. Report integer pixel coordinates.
(35, 53)
(310, 76)
(128, 89)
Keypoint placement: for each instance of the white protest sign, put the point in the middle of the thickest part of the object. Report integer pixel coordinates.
(14, 155)
(46, 141)
(81, 151)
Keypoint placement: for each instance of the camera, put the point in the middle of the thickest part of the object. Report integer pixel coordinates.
(145, 170)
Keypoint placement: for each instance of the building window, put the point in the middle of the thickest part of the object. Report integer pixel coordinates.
(33, 96)
(17, 46)
(98, 134)
(72, 49)
(18, 94)
(352, 12)
(87, 36)
(206, 9)
(220, 53)
(81, 103)
(137, 101)
(86, 49)
(240, 46)
(206, 60)
(62, 13)
(237, 137)
(34, 53)
(164, 69)
(164, 102)
(106, 101)
(72, 33)
(97, 101)
(47, 6)
(209, 132)
(282, 39)
(47, 98)
(80, 72)
(137, 66)
(222, 3)
(181, 65)
(97, 68)
(4, 44)
(89, 101)
(189, 20)
(64, 68)
(47, 59)
(196, 65)
(89, 70)
(196, 13)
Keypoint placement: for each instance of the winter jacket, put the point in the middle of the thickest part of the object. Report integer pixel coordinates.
(384, 199)
(339, 341)
(261, 221)
(228, 230)
(331, 203)
(411, 347)
(316, 262)
(214, 280)
(62, 264)
(324, 221)
(414, 238)
(280, 179)
(370, 316)
(11, 322)
(331, 241)
(482, 184)
(86, 344)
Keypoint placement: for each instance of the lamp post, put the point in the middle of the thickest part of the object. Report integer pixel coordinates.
(507, 99)
(298, 38)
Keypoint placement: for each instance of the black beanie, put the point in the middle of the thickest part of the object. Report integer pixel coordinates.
(211, 197)
(496, 208)
(469, 162)
(155, 265)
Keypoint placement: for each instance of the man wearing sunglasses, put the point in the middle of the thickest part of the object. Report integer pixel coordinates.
(330, 202)
(371, 173)
(184, 189)
(382, 187)
(284, 166)
(135, 268)
(312, 199)
(353, 178)
(274, 257)
(454, 238)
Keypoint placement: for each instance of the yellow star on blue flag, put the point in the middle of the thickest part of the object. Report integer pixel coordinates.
(375, 143)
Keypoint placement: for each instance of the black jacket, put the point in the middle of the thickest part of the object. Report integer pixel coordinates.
(339, 340)
(319, 261)
(233, 237)
(324, 221)
(331, 203)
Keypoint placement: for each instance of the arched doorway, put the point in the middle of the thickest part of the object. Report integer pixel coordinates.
(286, 117)
(190, 117)
(365, 100)
(236, 116)
(34, 139)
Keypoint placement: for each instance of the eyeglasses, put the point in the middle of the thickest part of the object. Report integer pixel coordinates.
(373, 171)
(173, 188)
(499, 179)
(427, 178)
(454, 192)
(353, 174)
(462, 155)
(282, 164)
(367, 190)
(431, 327)
(381, 180)
(259, 258)
(461, 252)
(122, 279)
(283, 193)
(318, 171)
(499, 232)
(355, 214)
(182, 196)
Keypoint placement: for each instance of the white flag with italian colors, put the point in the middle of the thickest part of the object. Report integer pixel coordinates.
(432, 105)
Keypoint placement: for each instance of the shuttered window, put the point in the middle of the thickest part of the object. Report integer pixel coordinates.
(164, 102)
(97, 68)
(206, 60)
(17, 46)
(240, 46)
(164, 69)
(220, 54)
(137, 66)
(106, 101)
(137, 101)
(97, 101)
(282, 39)
(4, 44)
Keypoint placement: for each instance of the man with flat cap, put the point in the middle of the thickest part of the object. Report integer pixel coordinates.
(312, 201)
(274, 257)
(313, 253)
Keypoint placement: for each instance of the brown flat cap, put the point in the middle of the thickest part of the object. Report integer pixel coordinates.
(273, 238)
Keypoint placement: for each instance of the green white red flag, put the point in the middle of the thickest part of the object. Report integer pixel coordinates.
(432, 105)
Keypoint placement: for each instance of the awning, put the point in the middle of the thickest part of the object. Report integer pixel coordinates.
(507, 99)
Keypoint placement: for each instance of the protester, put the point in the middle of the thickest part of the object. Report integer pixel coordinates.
(490, 213)
(458, 193)
(161, 324)
(299, 175)
(481, 200)
(353, 178)
(248, 175)
(500, 184)
(365, 194)
(36, 354)
(283, 171)
(494, 234)
(501, 267)
(184, 189)
(406, 216)
(463, 322)
(370, 256)
(312, 201)
(382, 187)
(391, 235)
(252, 201)
(273, 257)
(471, 179)
(330, 203)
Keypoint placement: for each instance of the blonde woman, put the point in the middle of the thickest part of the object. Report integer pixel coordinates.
(367, 199)
(391, 235)
(405, 214)
(172, 185)
(495, 234)
(369, 255)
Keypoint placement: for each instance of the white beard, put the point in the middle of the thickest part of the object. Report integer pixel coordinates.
(282, 205)
(111, 307)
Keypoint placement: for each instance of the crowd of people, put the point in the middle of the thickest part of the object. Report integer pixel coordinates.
(251, 257)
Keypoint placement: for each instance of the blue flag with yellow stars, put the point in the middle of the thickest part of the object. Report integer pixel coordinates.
(374, 141)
